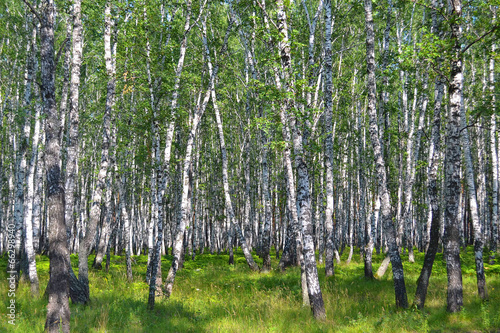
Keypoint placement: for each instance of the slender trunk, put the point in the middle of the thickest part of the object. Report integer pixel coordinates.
(303, 196)
(72, 136)
(434, 157)
(177, 247)
(494, 158)
(29, 243)
(471, 186)
(95, 211)
(365, 224)
(28, 200)
(390, 233)
(126, 226)
(329, 268)
(225, 178)
(265, 238)
(162, 170)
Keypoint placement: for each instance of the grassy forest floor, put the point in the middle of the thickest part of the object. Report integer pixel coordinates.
(211, 296)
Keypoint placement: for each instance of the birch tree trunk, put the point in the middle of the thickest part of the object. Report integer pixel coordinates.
(162, 170)
(28, 200)
(303, 197)
(184, 213)
(265, 239)
(494, 156)
(471, 186)
(156, 179)
(74, 94)
(452, 168)
(95, 211)
(126, 226)
(20, 149)
(390, 233)
(365, 224)
(29, 243)
(434, 156)
(329, 268)
(58, 312)
(225, 179)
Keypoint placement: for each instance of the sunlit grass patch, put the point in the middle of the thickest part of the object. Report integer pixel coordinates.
(211, 296)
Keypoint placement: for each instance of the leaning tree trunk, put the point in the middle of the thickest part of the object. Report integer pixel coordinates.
(177, 247)
(225, 178)
(435, 211)
(184, 213)
(162, 170)
(474, 211)
(452, 186)
(95, 211)
(303, 196)
(58, 313)
(389, 230)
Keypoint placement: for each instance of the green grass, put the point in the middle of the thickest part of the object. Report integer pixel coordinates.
(211, 296)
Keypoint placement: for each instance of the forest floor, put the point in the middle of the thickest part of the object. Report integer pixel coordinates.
(211, 296)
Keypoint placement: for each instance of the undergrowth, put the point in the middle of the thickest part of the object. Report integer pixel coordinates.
(211, 296)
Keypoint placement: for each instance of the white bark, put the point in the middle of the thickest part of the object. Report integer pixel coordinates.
(452, 168)
(303, 197)
(329, 268)
(95, 211)
(397, 266)
(74, 92)
(225, 178)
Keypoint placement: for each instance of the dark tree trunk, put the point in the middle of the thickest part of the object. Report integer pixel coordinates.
(452, 186)
(58, 313)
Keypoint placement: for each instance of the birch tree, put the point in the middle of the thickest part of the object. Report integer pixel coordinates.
(452, 166)
(58, 312)
(389, 230)
(95, 211)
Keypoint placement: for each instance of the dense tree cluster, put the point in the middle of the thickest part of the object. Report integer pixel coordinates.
(307, 127)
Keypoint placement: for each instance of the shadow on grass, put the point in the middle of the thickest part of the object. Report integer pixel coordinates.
(210, 295)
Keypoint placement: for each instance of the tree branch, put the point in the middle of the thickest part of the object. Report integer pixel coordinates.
(33, 10)
(431, 7)
(60, 50)
(479, 38)
(437, 70)
(265, 13)
(202, 7)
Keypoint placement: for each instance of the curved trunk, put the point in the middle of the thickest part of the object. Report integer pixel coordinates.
(303, 196)
(434, 157)
(389, 230)
(95, 211)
